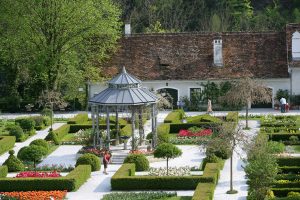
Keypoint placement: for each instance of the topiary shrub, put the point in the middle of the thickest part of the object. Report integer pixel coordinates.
(13, 163)
(39, 122)
(32, 153)
(52, 137)
(16, 131)
(27, 124)
(40, 142)
(210, 159)
(89, 159)
(140, 161)
(46, 120)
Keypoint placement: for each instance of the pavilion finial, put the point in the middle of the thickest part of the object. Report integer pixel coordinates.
(124, 70)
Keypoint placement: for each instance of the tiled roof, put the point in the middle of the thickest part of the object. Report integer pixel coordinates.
(189, 56)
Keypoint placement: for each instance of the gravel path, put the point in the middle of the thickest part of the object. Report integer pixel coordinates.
(239, 179)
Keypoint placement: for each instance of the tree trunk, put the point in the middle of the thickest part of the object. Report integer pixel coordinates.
(231, 172)
(167, 166)
(247, 116)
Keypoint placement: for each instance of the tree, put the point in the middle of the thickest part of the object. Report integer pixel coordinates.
(32, 153)
(261, 169)
(245, 92)
(45, 39)
(168, 151)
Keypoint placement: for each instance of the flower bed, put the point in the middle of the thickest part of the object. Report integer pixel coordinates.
(37, 195)
(28, 174)
(146, 153)
(173, 171)
(90, 149)
(200, 133)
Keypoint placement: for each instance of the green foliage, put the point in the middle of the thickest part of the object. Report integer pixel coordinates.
(47, 112)
(62, 131)
(13, 164)
(275, 147)
(204, 191)
(175, 116)
(32, 153)
(39, 122)
(261, 169)
(282, 93)
(40, 142)
(89, 159)
(203, 118)
(6, 143)
(138, 196)
(79, 119)
(3, 171)
(167, 150)
(126, 130)
(124, 179)
(27, 124)
(71, 182)
(163, 131)
(232, 117)
(17, 132)
(52, 137)
(140, 161)
(210, 159)
(288, 161)
(217, 147)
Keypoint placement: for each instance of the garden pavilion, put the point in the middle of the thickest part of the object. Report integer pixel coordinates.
(124, 96)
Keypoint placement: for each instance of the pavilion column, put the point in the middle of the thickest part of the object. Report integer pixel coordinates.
(133, 128)
(117, 127)
(141, 127)
(154, 125)
(107, 128)
(93, 125)
(97, 127)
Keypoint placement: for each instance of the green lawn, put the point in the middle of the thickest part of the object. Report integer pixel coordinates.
(296, 148)
(68, 137)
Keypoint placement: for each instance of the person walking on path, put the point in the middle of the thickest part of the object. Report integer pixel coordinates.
(106, 160)
(283, 103)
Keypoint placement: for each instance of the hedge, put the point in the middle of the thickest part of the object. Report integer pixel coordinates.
(126, 130)
(175, 128)
(174, 116)
(204, 191)
(202, 119)
(232, 116)
(288, 161)
(124, 179)
(71, 182)
(289, 169)
(3, 171)
(6, 143)
(282, 192)
(291, 184)
(282, 136)
(62, 131)
(79, 119)
(76, 127)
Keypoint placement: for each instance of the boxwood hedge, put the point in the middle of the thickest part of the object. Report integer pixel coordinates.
(71, 182)
(79, 119)
(3, 171)
(6, 143)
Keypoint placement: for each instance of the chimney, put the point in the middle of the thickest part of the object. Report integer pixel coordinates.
(127, 29)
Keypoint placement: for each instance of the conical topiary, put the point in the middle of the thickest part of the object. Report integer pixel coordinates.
(13, 163)
(52, 137)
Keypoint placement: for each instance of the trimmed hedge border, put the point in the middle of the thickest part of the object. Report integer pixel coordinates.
(288, 161)
(174, 116)
(62, 131)
(282, 136)
(124, 179)
(204, 191)
(79, 119)
(71, 182)
(282, 192)
(7, 143)
(3, 171)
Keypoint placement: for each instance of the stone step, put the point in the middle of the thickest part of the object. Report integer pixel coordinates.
(118, 158)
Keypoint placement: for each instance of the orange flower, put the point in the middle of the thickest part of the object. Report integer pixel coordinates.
(37, 195)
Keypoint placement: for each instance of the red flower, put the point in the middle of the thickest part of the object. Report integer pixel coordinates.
(187, 133)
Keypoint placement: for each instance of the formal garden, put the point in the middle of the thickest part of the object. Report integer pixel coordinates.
(272, 165)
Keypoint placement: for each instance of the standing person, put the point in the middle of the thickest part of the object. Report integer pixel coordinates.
(106, 160)
(209, 107)
(283, 103)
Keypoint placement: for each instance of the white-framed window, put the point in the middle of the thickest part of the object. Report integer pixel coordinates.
(296, 46)
(218, 57)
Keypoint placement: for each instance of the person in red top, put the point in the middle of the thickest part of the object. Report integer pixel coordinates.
(106, 160)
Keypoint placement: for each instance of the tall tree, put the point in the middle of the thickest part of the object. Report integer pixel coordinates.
(246, 92)
(54, 35)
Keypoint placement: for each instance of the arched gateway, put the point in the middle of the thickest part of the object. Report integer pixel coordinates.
(124, 96)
